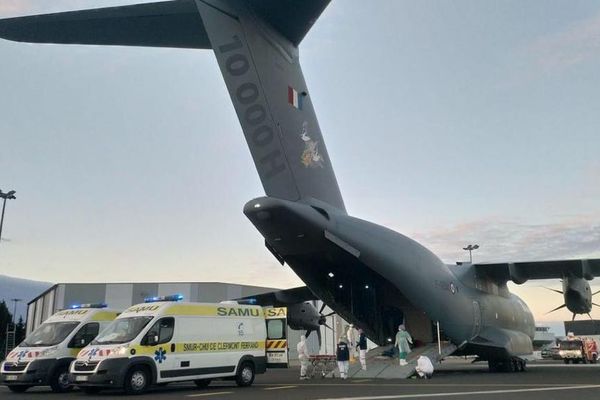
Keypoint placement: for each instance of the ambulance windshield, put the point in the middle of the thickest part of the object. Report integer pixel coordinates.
(122, 330)
(50, 334)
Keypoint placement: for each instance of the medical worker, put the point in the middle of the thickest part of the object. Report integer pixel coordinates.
(343, 357)
(303, 357)
(402, 343)
(424, 367)
(362, 349)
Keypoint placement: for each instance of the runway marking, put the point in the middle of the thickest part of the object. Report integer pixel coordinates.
(280, 387)
(424, 395)
(207, 394)
(351, 383)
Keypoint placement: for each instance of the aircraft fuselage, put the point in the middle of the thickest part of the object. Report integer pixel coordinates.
(364, 271)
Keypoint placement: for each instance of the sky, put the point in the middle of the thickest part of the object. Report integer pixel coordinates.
(450, 122)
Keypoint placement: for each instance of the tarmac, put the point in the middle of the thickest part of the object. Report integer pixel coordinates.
(454, 379)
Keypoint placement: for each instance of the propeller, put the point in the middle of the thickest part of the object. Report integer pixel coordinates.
(322, 321)
(564, 305)
(557, 308)
(323, 317)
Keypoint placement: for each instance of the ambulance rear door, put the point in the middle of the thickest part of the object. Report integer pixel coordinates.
(277, 335)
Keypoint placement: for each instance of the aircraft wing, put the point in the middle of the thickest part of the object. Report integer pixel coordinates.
(164, 24)
(281, 298)
(520, 272)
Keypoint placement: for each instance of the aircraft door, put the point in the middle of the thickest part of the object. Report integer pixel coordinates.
(276, 343)
(476, 318)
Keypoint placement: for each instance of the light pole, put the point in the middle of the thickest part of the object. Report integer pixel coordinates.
(6, 196)
(15, 309)
(470, 248)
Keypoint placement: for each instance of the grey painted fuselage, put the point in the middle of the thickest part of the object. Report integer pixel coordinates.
(353, 264)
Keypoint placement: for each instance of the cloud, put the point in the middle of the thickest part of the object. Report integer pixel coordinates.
(12, 7)
(574, 237)
(572, 46)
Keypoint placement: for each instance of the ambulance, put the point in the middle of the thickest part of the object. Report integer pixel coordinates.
(165, 340)
(43, 358)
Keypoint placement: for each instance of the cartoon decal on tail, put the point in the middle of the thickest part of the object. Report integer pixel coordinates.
(310, 156)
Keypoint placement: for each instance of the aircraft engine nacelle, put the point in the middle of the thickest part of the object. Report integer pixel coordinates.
(577, 294)
(303, 316)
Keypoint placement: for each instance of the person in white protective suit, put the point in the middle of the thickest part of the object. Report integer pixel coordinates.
(424, 367)
(303, 356)
(351, 341)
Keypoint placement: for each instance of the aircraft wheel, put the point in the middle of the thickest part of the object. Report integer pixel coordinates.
(493, 365)
(513, 365)
(522, 365)
(566, 360)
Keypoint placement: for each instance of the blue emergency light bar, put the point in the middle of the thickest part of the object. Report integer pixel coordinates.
(89, 305)
(173, 297)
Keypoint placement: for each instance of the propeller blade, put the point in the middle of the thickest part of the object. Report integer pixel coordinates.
(319, 336)
(557, 308)
(596, 292)
(329, 315)
(554, 290)
(597, 305)
(308, 332)
(327, 326)
(573, 319)
(590, 315)
(322, 308)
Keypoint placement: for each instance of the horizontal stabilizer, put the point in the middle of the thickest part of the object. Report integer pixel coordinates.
(165, 24)
(255, 42)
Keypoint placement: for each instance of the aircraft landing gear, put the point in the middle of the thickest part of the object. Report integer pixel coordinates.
(507, 365)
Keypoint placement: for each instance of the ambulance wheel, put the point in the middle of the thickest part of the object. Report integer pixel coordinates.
(245, 375)
(91, 389)
(202, 383)
(522, 365)
(18, 388)
(59, 382)
(137, 380)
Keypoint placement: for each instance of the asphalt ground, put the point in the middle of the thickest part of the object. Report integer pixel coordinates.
(453, 380)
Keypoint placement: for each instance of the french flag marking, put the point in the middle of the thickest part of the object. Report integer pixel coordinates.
(294, 98)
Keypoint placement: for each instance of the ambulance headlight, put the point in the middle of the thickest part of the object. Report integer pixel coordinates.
(49, 351)
(120, 351)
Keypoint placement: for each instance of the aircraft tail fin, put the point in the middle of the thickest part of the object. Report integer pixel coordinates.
(255, 42)
(259, 61)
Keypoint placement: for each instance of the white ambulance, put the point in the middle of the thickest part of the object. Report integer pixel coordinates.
(164, 340)
(43, 358)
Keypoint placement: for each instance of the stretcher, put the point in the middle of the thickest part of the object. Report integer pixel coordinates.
(322, 365)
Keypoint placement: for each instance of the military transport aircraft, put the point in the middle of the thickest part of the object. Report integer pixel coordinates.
(363, 271)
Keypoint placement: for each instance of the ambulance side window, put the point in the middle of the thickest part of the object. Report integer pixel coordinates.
(85, 335)
(163, 328)
(275, 329)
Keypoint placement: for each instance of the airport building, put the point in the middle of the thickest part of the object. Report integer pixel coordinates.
(122, 295)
